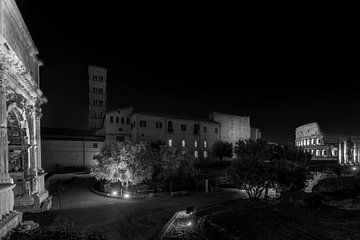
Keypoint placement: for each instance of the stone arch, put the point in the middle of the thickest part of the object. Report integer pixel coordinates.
(17, 123)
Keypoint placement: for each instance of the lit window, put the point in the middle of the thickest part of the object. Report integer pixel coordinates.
(196, 154)
(312, 152)
(183, 143)
(170, 143)
(195, 143)
(318, 141)
(205, 154)
(205, 144)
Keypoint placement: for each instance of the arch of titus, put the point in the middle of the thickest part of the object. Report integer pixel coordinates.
(21, 176)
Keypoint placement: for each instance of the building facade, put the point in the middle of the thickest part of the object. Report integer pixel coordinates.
(117, 125)
(97, 96)
(196, 135)
(233, 128)
(69, 148)
(21, 175)
(336, 148)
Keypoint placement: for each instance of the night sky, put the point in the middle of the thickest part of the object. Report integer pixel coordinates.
(189, 62)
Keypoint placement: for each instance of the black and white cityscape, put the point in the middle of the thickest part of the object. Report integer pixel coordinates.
(175, 122)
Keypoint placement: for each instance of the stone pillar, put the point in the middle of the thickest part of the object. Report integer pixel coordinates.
(38, 116)
(345, 152)
(340, 152)
(4, 155)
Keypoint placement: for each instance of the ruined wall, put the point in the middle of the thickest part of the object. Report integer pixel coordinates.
(233, 128)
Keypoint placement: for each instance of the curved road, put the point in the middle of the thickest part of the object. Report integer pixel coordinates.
(122, 219)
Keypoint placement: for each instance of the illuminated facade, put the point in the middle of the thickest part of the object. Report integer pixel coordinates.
(332, 147)
(196, 134)
(22, 183)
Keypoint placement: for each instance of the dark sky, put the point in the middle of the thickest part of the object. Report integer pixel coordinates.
(170, 59)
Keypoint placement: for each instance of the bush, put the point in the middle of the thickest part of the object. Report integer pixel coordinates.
(59, 232)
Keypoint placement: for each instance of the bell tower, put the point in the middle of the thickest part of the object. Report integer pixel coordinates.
(97, 96)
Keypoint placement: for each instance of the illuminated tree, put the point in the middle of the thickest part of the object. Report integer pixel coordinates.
(124, 162)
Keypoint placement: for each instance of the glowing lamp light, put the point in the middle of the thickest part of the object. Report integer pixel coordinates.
(354, 168)
(114, 193)
(189, 224)
(126, 195)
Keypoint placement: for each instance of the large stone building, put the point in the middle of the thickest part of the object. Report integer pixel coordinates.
(21, 173)
(196, 134)
(323, 146)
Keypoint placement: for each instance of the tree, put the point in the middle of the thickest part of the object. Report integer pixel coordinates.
(222, 149)
(260, 165)
(251, 174)
(175, 165)
(124, 162)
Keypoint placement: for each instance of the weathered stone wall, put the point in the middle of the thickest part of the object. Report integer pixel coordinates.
(233, 128)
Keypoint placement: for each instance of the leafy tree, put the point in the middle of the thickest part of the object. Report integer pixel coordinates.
(260, 165)
(124, 162)
(175, 165)
(222, 149)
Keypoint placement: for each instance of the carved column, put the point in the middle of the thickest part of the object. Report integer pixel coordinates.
(345, 152)
(38, 116)
(340, 152)
(4, 168)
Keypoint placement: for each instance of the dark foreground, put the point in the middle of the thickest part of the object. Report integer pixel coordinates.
(244, 219)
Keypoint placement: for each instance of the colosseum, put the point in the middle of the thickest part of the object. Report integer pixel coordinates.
(331, 148)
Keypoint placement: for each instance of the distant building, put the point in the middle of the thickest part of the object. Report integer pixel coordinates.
(69, 147)
(97, 96)
(196, 134)
(323, 146)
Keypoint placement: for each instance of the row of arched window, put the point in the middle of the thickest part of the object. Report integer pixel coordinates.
(308, 142)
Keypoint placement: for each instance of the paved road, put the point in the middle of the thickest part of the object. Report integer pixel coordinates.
(124, 219)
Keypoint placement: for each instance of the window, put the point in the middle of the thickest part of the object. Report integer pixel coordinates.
(308, 142)
(183, 127)
(170, 126)
(205, 144)
(205, 129)
(195, 143)
(323, 153)
(183, 143)
(170, 143)
(142, 123)
(120, 129)
(158, 124)
(196, 128)
(317, 153)
(117, 119)
(127, 120)
(205, 154)
(312, 141)
(94, 102)
(312, 152)
(123, 121)
(196, 154)
(100, 103)
(95, 145)
(318, 141)
(111, 119)
(216, 130)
